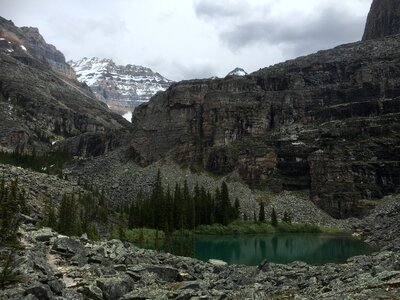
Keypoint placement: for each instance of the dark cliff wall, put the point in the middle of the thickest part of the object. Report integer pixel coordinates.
(328, 122)
(383, 19)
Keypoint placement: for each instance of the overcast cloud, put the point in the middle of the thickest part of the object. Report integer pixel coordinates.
(183, 39)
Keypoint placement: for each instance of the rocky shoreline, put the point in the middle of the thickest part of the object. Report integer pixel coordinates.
(53, 266)
(58, 267)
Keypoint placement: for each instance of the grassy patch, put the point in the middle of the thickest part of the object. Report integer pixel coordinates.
(297, 228)
(144, 237)
(242, 227)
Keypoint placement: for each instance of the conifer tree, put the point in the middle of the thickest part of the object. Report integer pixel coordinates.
(261, 216)
(237, 208)
(50, 217)
(274, 218)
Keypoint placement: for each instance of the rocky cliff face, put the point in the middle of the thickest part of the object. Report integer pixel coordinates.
(328, 122)
(39, 103)
(121, 87)
(383, 19)
(30, 39)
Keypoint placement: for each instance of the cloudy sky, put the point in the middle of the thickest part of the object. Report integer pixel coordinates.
(185, 39)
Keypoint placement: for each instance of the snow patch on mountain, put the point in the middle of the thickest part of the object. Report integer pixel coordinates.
(237, 72)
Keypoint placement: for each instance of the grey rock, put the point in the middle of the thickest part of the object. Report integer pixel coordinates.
(43, 234)
(146, 294)
(57, 286)
(41, 292)
(165, 273)
(115, 287)
(217, 262)
(194, 285)
(69, 294)
(92, 292)
(67, 246)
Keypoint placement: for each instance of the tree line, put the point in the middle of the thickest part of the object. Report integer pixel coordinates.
(50, 163)
(181, 208)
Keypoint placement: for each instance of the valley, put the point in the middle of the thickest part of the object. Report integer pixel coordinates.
(283, 183)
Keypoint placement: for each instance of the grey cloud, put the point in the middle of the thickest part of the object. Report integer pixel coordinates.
(178, 71)
(217, 9)
(330, 27)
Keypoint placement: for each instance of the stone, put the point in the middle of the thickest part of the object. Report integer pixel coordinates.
(115, 287)
(69, 294)
(165, 273)
(57, 286)
(194, 285)
(120, 267)
(146, 294)
(41, 292)
(92, 292)
(43, 234)
(67, 246)
(217, 262)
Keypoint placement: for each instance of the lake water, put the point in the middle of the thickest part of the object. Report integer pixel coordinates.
(282, 248)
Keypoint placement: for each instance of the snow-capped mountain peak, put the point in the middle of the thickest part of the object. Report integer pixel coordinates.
(237, 72)
(121, 87)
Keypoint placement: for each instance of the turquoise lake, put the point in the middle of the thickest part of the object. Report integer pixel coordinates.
(282, 248)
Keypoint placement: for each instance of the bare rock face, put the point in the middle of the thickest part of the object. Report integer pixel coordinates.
(328, 122)
(383, 19)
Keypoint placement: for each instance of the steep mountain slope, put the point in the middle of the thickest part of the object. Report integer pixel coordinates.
(121, 87)
(383, 19)
(40, 103)
(328, 122)
(29, 38)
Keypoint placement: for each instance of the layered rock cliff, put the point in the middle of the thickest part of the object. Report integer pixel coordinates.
(383, 19)
(121, 87)
(328, 122)
(39, 102)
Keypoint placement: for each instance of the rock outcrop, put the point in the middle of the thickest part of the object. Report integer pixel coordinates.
(121, 87)
(328, 122)
(39, 104)
(383, 19)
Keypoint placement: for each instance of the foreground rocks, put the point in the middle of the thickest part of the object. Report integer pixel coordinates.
(58, 267)
(382, 227)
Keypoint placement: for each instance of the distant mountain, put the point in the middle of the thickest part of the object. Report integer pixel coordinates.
(121, 87)
(237, 72)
